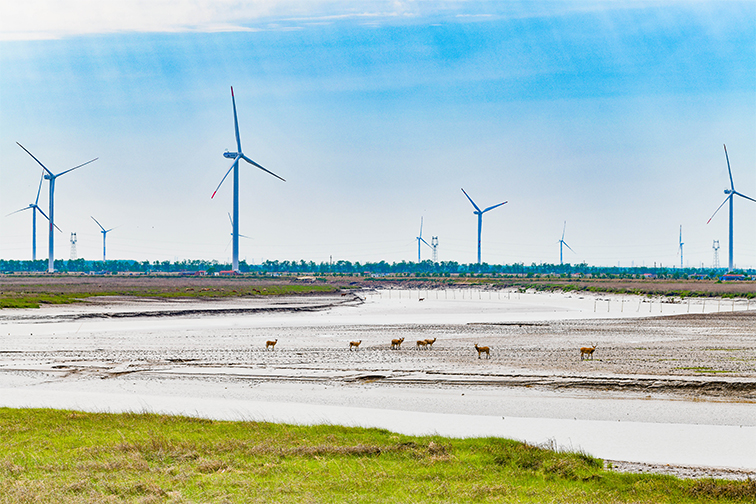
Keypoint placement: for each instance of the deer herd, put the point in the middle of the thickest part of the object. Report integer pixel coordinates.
(426, 344)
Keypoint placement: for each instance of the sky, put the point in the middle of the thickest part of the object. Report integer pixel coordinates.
(604, 118)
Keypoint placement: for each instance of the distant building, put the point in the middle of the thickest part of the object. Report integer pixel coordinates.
(731, 277)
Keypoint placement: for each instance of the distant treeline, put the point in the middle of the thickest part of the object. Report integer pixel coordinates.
(425, 268)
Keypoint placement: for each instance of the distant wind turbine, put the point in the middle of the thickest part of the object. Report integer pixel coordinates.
(420, 240)
(480, 213)
(730, 193)
(232, 233)
(35, 208)
(681, 249)
(563, 243)
(104, 235)
(236, 156)
(50, 176)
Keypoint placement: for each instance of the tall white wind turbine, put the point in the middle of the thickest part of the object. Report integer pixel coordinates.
(480, 213)
(51, 177)
(104, 235)
(681, 248)
(563, 243)
(730, 193)
(420, 241)
(34, 208)
(236, 156)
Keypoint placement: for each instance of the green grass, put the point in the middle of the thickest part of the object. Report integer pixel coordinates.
(56, 456)
(701, 369)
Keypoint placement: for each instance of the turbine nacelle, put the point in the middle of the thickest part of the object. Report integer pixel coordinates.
(728, 191)
(230, 155)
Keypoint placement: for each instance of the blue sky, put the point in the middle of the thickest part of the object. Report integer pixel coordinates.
(609, 115)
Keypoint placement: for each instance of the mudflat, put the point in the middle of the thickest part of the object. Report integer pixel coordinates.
(680, 362)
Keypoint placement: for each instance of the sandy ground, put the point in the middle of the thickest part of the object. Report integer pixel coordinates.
(660, 369)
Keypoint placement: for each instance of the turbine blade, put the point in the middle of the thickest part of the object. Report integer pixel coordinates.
(35, 159)
(421, 228)
(39, 189)
(232, 220)
(720, 206)
(263, 169)
(565, 244)
(236, 160)
(236, 122)
(732, 184)
(425, 242)
(56, 227)
(75, 167)
(103, 229)
(25, 208)
(471, 201)
(744, 196)
(42, 212)
(492, 207)
(563, 230)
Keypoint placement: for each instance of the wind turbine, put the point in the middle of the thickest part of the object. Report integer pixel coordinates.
(232, 233)
(563, 243)
(51, 177)
(420, 240)
(35, 208)
(480, 213)
(730, 193)
(681, 248)
(236, 156)
(104, 235)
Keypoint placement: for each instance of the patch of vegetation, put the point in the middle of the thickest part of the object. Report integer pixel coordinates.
(72, 457)
(700, 369)
(37, 295)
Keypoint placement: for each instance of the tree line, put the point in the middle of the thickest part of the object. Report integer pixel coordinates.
(425, 268)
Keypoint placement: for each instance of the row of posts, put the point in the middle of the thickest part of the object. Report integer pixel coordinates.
(597, 303)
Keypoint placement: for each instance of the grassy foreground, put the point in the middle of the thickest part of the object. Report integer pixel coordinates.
(71, 457)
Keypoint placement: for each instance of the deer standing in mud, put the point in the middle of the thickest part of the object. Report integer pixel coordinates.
(422, 344)
(587, 351)
(430, 342)
(396, 343)
(483, 349)
(271, 344)
(355, 345)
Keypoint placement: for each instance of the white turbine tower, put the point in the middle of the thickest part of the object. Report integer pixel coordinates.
(236, 156)
(420, 241)
(104, 235)
(480, 213)
(51, 177)
(681, 249)
(563, 243)
(34, 208)
(730, 196)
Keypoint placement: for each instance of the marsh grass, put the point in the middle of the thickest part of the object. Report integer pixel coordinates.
(70, 457)
(34, 297)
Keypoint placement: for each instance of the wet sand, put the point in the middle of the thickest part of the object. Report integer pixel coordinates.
(656, 365)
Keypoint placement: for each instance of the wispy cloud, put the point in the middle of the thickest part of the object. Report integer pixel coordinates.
(51, 19)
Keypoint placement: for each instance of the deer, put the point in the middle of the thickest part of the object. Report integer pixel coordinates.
(422, 344)
(483, 349)
(396, 343)
(587, 351)
(271, 344)
(430, 342)
(355, 345)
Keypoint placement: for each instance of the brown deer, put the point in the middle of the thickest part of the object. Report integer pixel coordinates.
(355, 345)
(587, 351)
(422, 344)
(271, 344)
(483, 349)
(396, 343)
(430, 342)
